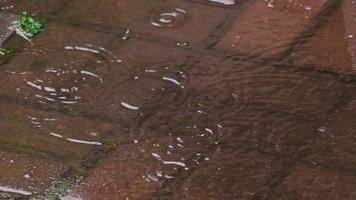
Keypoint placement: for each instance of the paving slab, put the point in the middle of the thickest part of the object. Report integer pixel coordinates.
(37, 7)
(183, 28)
(174, 21)
(287, 89)
(266, 29)
(54, 71)
(199, 125)
(230, 174)
(224, 106)
(307, 182)
(332, 47)
(48, 134)
(175, 166)
(38, 147)
(350, 28)
(142, 78)
(275, 110)
(119, 176)
(335, 147)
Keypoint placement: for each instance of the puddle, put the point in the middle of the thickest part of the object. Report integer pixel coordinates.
(68, 81)
(234, 122)
(54, 128)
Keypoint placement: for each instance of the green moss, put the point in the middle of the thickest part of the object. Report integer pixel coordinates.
(5, 55)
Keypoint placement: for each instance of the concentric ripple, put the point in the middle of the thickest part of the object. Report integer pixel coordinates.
(64, 77)
(170, 18)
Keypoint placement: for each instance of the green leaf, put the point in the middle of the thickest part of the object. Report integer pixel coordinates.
(30, 27)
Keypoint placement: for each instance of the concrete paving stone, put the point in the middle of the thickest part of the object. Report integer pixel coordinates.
(180, 18)
(268, 28)
(307, 183)
(27, 174)
(37, 7)
(332, 47)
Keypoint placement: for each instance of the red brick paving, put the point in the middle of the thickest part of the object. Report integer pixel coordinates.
(138, 16)
(332, 46)
(267, 30)
(309, 183)
(38, 7)
(29, 173)
(207, 125)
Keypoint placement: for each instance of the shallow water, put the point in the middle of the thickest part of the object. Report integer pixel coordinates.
(230, 116)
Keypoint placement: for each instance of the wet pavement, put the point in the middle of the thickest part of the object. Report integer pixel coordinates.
(180, 99)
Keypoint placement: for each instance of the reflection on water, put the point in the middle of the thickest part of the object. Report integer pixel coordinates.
(224, 2)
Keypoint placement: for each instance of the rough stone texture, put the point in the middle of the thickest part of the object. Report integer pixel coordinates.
(349, 7)
(121, 177)
(6, 20)
(138, 15)
(309, 183)
(206, 18)
(138, 79)
(29, 173)
(335, 148)
(53, 74)
(182, 122)
(230, 175)
(31, 131)
(267, 28)
(37, 7)
(332, 47)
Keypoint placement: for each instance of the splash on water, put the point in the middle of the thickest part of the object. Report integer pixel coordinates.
(169, 19)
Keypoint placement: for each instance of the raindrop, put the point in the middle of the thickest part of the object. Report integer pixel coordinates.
(169, 18)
